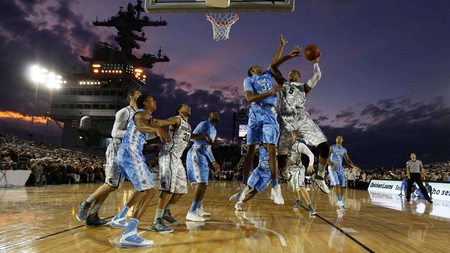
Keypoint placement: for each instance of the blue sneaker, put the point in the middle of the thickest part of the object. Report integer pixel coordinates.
(119, 222)
(311, 210)
(132, 240)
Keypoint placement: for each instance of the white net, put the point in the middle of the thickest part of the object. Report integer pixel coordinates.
(221, 23)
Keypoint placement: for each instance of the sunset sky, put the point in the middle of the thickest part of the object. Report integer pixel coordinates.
(385, 67)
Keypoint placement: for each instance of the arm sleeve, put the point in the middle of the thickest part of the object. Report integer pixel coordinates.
(210, 154)
(307, 151)
(120, 124)
(316, 77)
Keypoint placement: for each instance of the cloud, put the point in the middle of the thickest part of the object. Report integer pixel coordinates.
(385, 133)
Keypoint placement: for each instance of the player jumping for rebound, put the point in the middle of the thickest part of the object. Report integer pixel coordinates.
(294, 120)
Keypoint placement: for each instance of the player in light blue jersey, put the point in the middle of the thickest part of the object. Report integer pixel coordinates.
(131, 162)
(197, 164)
(262, 120)
(337, 154)
(113, 178)
(259, 179)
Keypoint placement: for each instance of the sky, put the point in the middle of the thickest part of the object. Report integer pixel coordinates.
(385, 68)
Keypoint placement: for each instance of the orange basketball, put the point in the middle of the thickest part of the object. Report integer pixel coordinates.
(311, 52)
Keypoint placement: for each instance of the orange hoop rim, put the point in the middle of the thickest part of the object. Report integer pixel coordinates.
(210, 19)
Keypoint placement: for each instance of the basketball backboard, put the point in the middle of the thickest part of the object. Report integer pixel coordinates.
(186, 6)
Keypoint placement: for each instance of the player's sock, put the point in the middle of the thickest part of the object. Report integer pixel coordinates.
(95, 208)
(168, 206)
(245, 179)
(339, 197)
(91, 199)
(274, 182)
(193, 206)
(321, 170)
(199, 205)
(308, 202)
(123, 212)
(159, 213)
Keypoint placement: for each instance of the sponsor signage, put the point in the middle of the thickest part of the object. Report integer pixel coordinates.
(441, 190)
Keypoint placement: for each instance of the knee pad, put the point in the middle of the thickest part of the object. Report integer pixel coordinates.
(281, 161)
(324, 150)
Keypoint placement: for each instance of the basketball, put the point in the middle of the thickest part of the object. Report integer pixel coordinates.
(311, 52)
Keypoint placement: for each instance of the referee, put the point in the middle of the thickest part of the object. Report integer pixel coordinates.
(415, 172)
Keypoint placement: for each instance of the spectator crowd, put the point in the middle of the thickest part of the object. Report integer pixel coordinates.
(51, 165)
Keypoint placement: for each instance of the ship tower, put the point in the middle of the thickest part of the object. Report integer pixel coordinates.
(94, 93)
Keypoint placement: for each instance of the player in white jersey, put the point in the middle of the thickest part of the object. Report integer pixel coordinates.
(295, 121)
(337, 154)
(197, 166)
(172, 174)
(113, 178)
(132, 164)
(297, 170)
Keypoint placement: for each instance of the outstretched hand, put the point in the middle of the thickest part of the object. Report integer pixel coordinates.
(283, 41)
(316, 60)
(296, 52)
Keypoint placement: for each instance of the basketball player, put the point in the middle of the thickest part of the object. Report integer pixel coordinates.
(294, 120)
(337, 178)
(415, 172)
(258, 181)
(172, 174)
(113, 178)
(132, 164)
(262, 123)
(197, 164)
(297, 170)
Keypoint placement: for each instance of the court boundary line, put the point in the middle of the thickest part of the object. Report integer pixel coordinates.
(343, 232)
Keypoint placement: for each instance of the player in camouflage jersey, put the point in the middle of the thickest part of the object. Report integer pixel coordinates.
(172, 174)
(294, 120)
(297, 170)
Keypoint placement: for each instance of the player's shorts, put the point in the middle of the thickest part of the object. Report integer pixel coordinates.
(337, 177)
(134, 168)
(262, 125)
(197, 166)
(300, 125)
(113, 176)
(172, 175)
(298, 176)
(259, 179)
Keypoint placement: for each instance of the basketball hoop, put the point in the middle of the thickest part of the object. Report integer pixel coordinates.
(221, 23)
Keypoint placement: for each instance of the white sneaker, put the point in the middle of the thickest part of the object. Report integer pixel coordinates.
(119, 222)
(193, 216)
(132, 240)
(202, 212)
(238, 206)
(278, 199)
(245, 191)
(321, 183)
(341, 205)
(235, 197)
(272, 194)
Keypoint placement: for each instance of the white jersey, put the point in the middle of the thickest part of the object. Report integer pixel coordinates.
(292, 98)
(295, 154)
(180, 138)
